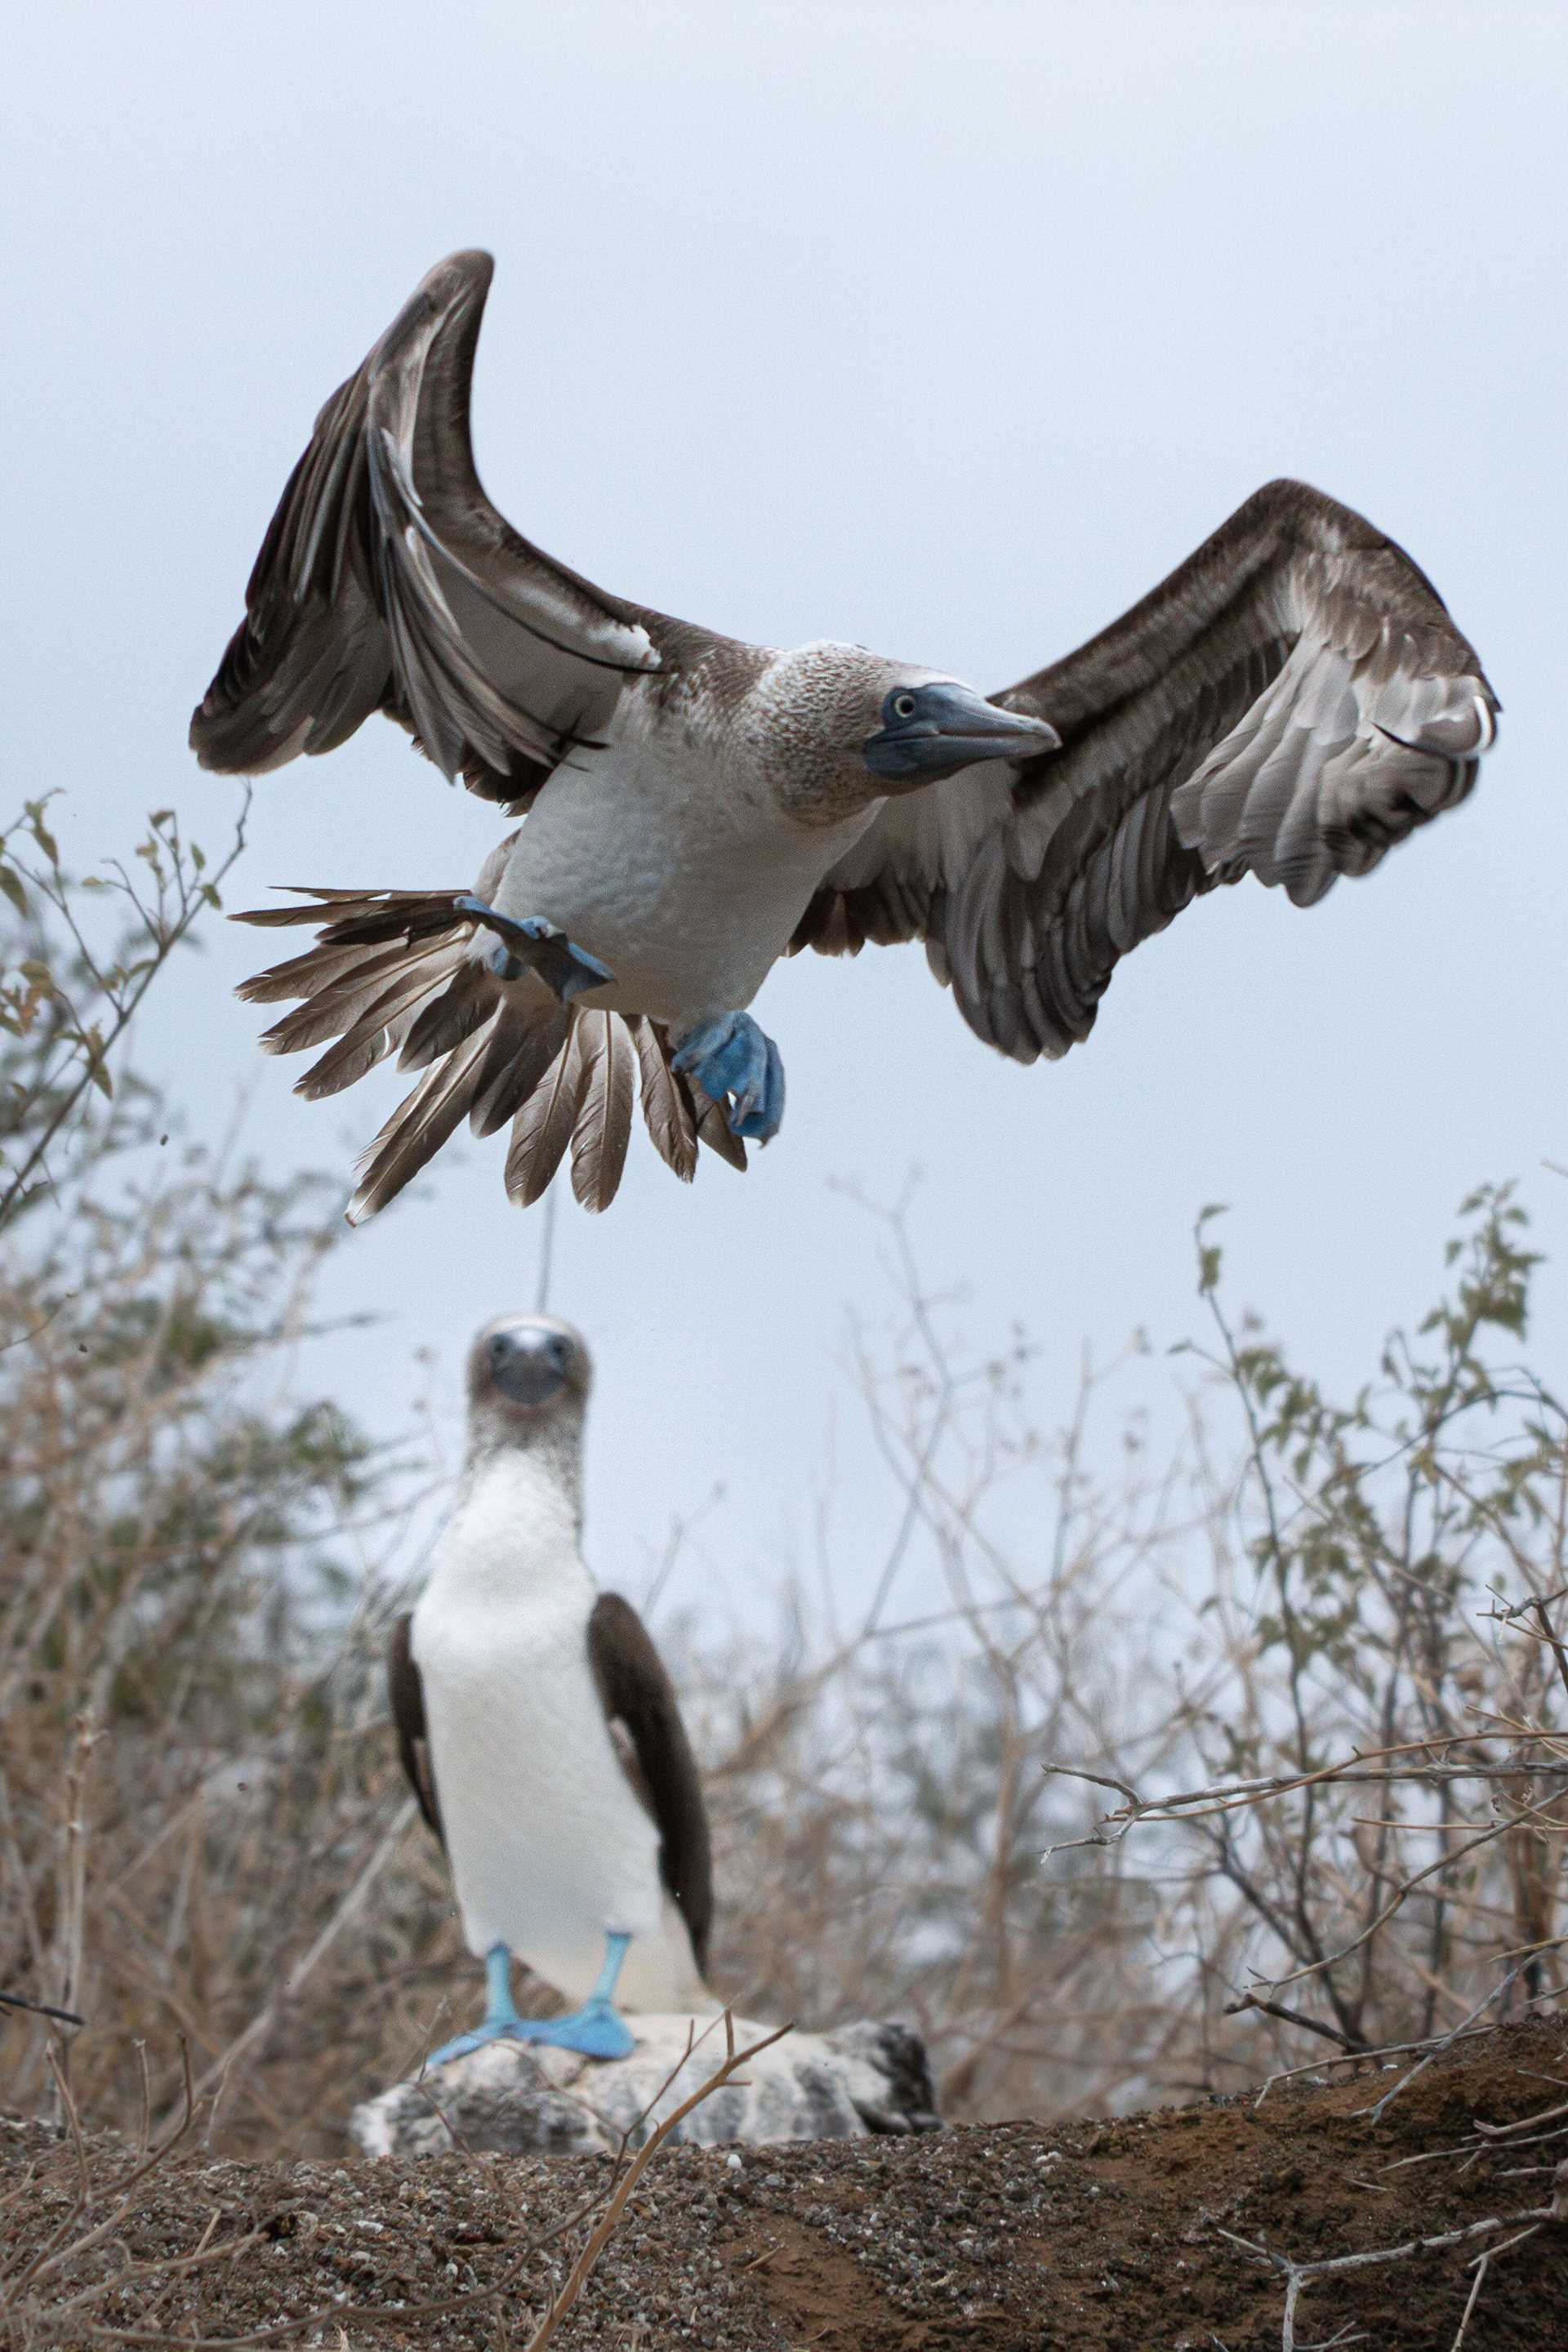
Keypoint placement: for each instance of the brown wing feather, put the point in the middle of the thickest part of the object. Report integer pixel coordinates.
(635, 1690)
(1292, 702)
(387, 582)
(405, 1691)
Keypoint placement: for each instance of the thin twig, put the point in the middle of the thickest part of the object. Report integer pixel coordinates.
(1376, 2113)
(599, 2237)
(1299, 2275)
(41, 2009)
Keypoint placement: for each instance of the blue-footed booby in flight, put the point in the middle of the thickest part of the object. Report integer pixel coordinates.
(1290, 702)
(541, 1731)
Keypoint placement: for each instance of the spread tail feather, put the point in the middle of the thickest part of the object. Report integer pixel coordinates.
(604, 1127)
(392, 973)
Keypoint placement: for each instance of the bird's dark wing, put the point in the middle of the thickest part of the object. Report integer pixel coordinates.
(388, 582)
(637, 1693)
(406, 1693)
(1293, 701)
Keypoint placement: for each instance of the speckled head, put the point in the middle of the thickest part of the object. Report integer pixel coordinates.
(527, 1372)
(833, 728)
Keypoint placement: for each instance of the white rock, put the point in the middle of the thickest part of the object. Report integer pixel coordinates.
(525, 2099)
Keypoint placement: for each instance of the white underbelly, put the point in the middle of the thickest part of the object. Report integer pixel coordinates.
(550, 1849)
(690, 914)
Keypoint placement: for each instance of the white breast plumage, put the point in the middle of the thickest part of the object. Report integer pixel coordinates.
(650, 858)
(550, 1848)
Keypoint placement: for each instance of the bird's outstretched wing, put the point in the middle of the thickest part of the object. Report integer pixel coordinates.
(1293, 701)
(637, 1693)
(405, 1691)
(388, 582)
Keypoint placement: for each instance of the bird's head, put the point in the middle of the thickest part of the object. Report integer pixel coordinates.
(931, 726)
(527, 1373)
(839, 727)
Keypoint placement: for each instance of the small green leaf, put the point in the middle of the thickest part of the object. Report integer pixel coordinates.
(11, 883)
(92, 1046)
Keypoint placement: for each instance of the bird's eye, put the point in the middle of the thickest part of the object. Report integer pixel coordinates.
(903, 706)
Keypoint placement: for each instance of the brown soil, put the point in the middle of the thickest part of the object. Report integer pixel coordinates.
(1075, 2236)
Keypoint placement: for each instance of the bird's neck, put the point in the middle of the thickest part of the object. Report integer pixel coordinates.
(517, 1520)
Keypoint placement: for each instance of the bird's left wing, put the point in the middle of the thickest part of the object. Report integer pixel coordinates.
(406, 1690)
(638, 1695)
(1293, 701)
(388, 582)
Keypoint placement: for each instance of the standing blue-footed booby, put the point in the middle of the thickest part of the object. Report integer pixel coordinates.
(1290, 702)
(541, 1731)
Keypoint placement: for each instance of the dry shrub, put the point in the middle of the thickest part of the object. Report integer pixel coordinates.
(1345, 1655)
(193, 1771)
(192, 1764)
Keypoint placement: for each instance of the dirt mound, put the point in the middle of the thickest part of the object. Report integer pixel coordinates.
(992, 2238)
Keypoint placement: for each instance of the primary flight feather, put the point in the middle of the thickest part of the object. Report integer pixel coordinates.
(1293, 701)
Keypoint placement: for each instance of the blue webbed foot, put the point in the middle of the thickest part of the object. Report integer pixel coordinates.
(535, 945)
(730, 1055)
(494, 2028)
(598, 2030)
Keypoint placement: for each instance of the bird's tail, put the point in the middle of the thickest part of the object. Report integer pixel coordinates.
(391, 971)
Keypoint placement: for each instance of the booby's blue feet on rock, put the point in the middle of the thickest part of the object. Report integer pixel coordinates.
(535, 945)
(598, 2030)
(730, 1055)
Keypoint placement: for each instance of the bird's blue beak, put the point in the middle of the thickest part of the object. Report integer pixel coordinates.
(528, 1365)
(933, 730)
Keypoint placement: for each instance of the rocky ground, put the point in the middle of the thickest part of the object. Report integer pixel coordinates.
(1077, 2236)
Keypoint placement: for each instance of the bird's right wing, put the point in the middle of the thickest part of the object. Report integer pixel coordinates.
(405, 1691)
(388, 582)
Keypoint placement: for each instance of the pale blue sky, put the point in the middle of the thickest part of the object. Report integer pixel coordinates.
(946, 328)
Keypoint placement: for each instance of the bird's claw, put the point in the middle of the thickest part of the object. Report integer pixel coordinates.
(730, 1055)
(534, 944)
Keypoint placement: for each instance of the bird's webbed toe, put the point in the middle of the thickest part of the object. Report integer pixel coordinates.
(598, 2030)
(463, 2045)
(732, 1060)
(533, 943)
